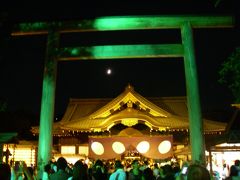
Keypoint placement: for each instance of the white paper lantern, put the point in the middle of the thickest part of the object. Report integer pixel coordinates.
(143, 147)
(97, 148)
(164, 147)
(118, 147)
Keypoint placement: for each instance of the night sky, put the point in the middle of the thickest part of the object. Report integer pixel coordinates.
(22, 58)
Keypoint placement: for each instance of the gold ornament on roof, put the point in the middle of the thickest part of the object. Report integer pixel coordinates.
(129, 104)
(129, 121)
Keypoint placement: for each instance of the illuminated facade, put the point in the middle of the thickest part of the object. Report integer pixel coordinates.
(104, 123)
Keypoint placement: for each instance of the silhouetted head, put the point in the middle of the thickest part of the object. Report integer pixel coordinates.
(61, 163)
(5, 172)
(148, 173)
(99, 163)
(237, 162)
(135, 164)
(118, 164)
(233, 171)
(198, 172)
(47, 168)
(79, 171)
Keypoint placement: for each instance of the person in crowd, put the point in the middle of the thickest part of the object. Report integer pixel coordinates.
(47, 172)
(119, 173)
(128, 167)
(176, 170)
(156, 170)
(16, 171)
(148, 174)
(135, 173)
(61, 174)
(53, 166)
(20, 171)
(144, 166)
(237, 164)
(225, 172)
(86, 169)
(167, 173)
(5, 171)
(90, 173)
(111, 169)
(198, 172)
(68, 169)
(79, 171)
(98, 171)
(30, 173)
(233, 174)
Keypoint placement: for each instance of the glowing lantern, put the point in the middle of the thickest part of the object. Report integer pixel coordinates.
(97, 148)
(118, 147)
(164, 147)
(143, 146)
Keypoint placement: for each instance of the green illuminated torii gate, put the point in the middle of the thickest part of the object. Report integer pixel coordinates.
(185, 50)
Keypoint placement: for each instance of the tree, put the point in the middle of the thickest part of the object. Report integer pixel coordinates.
(230, 73)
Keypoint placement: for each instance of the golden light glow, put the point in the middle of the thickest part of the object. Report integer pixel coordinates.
(97, 148)
(68, 149)
(96, 129)
(143, 147)
(164, 147)
(162, 128)
(71, 158)
(104, 112)
(21, 153)
(118, 147)
(148, 124)
(110, 126)
(129, 121)
(228, 145)
(83, 150)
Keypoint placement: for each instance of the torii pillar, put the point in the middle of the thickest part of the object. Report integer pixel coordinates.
(48, 102)
(194, 109)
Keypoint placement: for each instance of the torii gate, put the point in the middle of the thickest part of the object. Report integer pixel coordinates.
(121, 23)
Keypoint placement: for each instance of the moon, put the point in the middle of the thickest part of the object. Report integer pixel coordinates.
(109, 71)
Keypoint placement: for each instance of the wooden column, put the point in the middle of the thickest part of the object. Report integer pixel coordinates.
(210, 161)
(194, 108)
(48, 101)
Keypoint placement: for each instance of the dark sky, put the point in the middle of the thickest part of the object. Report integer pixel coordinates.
(22, 58)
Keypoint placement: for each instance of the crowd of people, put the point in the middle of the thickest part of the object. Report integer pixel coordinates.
(115, 170)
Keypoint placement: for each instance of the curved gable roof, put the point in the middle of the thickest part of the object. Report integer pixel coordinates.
(129, 108)
(129, 95)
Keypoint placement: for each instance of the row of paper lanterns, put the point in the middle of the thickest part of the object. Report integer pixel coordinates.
(142, 147)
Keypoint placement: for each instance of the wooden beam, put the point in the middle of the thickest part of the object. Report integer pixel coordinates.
(225, 148)
(123, 23)
(121, 52)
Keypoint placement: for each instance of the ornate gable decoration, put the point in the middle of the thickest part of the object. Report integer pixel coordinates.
(129, 97)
